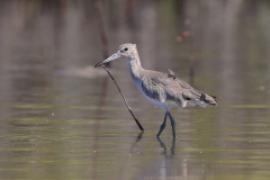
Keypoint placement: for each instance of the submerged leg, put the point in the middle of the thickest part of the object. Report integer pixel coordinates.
(163, 125)
(172, 123)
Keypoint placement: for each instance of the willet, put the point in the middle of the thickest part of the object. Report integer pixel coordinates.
(162, 89)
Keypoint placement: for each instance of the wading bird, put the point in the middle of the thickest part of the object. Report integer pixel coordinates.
(162, 89)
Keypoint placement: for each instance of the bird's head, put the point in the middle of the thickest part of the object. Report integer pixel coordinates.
(127, 50)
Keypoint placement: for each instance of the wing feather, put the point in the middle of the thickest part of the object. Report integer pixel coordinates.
(153, 89)
(162, 87)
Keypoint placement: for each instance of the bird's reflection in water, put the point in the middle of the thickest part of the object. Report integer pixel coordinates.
(164, 147)
(161, 143)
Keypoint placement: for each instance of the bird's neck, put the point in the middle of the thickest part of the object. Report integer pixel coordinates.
(135, 66)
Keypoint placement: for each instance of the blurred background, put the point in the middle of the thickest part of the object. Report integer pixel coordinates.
(60, 118)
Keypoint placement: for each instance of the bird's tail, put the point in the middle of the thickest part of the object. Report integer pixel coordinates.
(210, 100)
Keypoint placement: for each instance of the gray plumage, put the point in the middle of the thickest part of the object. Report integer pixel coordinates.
(162, 89)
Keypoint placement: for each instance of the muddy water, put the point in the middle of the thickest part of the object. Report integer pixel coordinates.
(63, 119)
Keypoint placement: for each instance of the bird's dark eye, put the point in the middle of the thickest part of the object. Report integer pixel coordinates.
(125, 49)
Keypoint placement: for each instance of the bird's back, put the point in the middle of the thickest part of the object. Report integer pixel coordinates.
(166, 87)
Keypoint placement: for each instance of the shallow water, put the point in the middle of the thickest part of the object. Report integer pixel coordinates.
(61, 119)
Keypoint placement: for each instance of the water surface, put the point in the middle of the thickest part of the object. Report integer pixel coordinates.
(63, 119)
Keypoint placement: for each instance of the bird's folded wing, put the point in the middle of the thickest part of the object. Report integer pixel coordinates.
(178, 89)
(154, 88)
(188, 92)
(162, 87)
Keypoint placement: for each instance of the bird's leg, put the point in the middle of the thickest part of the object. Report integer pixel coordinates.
(172, 123)
(173, 146)
(163, 125)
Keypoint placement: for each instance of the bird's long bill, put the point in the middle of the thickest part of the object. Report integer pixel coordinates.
(111, 58)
